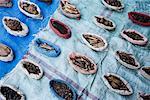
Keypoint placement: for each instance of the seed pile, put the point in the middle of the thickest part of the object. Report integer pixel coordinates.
(9, 93)
(13, 24)
(69, 8)
(94, 41)
(104, 21)
(140, 18)
(83, 63)
(126, 58)
(116, 83)
(133, 35)
(116, 3)
(60, 28)
(62, 90)
(30, 8)
(31, 68)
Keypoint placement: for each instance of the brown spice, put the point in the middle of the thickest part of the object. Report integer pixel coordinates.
(83, 63)
(115, 3)
(62, 90)
(31, 68)
(104, 21)
(141, 18)
(30, 8)
(9, 93)
(147, 70)
(13, 24)
(133, 35)
(94, 41)
(116, 82)
(127, 58)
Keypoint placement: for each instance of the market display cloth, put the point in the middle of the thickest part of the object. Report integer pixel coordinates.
(88, 87)
(20, 44)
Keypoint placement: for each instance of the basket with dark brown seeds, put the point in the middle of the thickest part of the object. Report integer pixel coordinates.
(60, 28)
(82, 63)
(94, 41)
(104, 22)
(139, 18)
(32, 69)
(30, 9)
(8, 92)
(14, 26)
(116, 3)
(69, 10)
(126, 59)
(63, 90)
(113, 4)
(117, 84)
(134, 37)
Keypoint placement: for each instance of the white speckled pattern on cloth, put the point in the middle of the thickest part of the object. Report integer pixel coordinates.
(89, 87)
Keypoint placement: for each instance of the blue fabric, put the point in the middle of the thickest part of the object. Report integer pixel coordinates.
(20, 45)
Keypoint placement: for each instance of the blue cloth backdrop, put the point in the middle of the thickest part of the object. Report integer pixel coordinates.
(20, 45)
